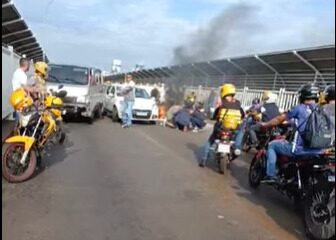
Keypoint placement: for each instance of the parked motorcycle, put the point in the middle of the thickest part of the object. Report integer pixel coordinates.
(36, 127)
(309, 181)
(223, 149)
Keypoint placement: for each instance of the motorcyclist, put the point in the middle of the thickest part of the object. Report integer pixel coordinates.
(329, 105)
(268, 111)
(228, 115)
(39, 81)
(308, 97)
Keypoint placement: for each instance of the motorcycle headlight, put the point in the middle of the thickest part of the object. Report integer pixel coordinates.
(25, 119)
(82, 99)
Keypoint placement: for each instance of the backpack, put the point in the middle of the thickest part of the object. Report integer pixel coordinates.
(318, 131)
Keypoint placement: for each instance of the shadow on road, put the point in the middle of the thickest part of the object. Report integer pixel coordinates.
(198, 152)
(267, 197)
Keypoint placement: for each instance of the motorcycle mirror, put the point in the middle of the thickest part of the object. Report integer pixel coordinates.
(62, 94)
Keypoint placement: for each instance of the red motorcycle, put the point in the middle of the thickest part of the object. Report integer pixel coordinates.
(224, 152)
(309, 181)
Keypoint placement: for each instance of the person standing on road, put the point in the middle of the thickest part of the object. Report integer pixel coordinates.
(20, 79)
(128, 93)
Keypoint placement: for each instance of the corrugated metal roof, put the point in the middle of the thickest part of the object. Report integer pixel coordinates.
(15, 32)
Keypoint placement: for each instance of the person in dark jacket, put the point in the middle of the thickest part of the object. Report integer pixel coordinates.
(198, 117)
(268, 111)
(182, 119)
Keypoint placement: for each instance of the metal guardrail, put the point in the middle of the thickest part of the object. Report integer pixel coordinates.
(285, 101)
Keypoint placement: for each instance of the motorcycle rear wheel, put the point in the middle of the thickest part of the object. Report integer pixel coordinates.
(12, 170)
(319, 213)
(221, 160)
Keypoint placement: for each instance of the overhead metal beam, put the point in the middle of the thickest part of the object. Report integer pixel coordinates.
(216, 68)
(277, 74)
(6, 23)
(30, 50)
(14, 33)
(26, 45)
(10, 3)
(20, 40)
(237, 66)
(155, 73)
(36, 54)
(309, 65)
(200, 70)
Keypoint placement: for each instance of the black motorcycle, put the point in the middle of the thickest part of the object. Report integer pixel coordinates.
(309, 181)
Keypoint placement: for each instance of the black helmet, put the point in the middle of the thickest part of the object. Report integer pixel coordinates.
(309, 91)
(256, 101)
(329, 93)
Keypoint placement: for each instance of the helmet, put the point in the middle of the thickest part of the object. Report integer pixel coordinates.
(309, 91)
(52, 101)
(227, 89)
(266, 95)
(42, 68)
(329, 93)
(20, 100)
(255, 101)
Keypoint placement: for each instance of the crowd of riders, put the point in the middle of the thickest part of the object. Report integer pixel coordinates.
(265, 114)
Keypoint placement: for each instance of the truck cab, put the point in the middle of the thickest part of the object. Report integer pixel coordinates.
(84, 86)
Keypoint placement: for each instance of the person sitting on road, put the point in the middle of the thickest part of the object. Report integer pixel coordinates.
(268, 111)
(171, 113)
(182, 119)
(308, 97)
(198, 118)
(229, 115)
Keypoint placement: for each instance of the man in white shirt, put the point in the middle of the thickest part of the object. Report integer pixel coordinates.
(20, 78)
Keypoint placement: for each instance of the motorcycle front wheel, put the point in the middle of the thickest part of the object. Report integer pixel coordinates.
(256, 171)
(12, 170)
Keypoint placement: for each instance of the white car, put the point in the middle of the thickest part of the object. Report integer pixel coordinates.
(144, 108)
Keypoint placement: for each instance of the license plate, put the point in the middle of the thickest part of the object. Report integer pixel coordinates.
(223, 148)
(331, 178)
(141, 114)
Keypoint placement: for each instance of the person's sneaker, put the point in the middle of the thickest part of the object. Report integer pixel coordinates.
(195, 130)
(270, 180)
(124, 126)
(201, 165)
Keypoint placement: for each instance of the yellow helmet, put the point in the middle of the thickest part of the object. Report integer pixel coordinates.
(52, 101)
(20, 100)
(227, 89)
(42, 68)
(266, 95)
(322, 100)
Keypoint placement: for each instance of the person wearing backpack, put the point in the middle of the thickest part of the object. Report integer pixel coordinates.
(329, 105)
(307, 117)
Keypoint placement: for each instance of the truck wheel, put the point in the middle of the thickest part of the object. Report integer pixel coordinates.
(115, 117)
(91, 118)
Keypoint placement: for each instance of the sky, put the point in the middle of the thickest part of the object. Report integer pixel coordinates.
(94, 32)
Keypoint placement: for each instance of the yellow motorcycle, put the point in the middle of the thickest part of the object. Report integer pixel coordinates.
(22, 152)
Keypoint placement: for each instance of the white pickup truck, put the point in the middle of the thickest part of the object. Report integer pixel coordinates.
(144, 109)
(84, 86)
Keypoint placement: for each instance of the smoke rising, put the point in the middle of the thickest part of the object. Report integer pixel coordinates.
(210, 42)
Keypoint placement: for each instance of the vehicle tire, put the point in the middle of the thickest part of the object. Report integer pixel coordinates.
(256, 171)
(12, 170)
(115, 117)
(90, 119)
(221, 163)
(319, 213)
(246, 143)
(100, 111)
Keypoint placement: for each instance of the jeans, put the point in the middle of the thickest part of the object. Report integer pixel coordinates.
(241, 131)
(277, 147)
(206, 147)
(127, 113)
(195, 122)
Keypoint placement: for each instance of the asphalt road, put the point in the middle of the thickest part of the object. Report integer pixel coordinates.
(141, 183)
